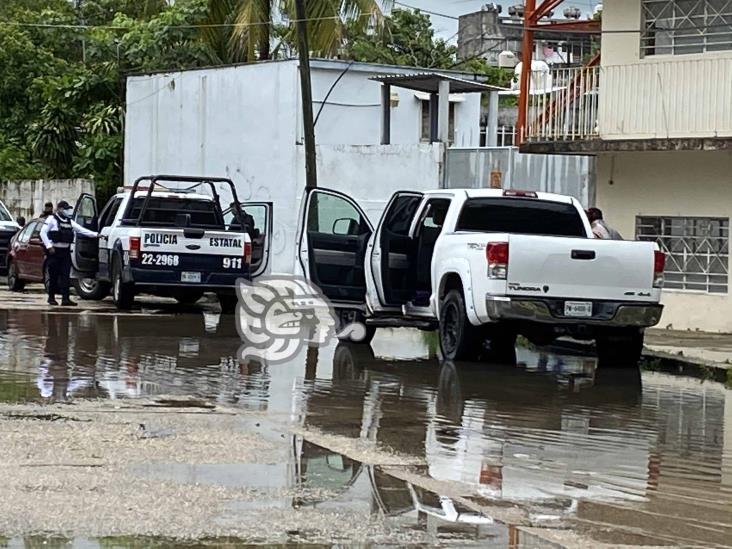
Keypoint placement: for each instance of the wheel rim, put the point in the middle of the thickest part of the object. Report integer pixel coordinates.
(450, 328)
(88, 285)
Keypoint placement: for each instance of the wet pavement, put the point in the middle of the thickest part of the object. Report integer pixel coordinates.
(376, 445)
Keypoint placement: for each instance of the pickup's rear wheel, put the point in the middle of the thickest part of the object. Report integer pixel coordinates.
(459, 339)
(123, 293)
(188, 297)
(619, 348)
(15, 284)
(91, 289)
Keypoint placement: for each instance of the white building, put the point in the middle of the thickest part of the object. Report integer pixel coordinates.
(657, 113)
(245, 122)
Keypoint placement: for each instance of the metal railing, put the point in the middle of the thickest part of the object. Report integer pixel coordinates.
(566, 108)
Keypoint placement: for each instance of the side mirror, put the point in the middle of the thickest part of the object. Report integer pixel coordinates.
(345, 226)
(21, 221)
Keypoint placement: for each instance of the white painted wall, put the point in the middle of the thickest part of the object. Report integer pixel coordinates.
(352, 115)
(691, 183)
(659, 96)
(245, 122)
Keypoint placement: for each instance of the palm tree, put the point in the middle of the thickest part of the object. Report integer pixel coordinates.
(244, 30)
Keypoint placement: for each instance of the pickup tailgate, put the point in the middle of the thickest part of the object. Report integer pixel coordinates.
(192, 255)
(594, 269)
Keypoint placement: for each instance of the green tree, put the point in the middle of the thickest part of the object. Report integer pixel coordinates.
(255, 21)
(405, 38)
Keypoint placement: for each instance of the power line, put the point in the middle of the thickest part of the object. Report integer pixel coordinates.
(70, 26)
(436, 14)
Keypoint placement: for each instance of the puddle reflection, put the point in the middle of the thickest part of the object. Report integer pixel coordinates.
(650, 453)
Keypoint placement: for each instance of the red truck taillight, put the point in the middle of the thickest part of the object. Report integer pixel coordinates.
(496, 253)
(248, 253)
(659, 265)
(134, 247)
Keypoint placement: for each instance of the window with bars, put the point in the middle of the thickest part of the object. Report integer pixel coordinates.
(697, 250)
(677, 27)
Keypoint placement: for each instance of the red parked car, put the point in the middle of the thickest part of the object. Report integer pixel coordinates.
(26, 257)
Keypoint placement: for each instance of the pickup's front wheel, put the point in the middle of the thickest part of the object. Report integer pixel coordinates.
(459, 339)
(619, 348)
(123, 293)
(91, 289)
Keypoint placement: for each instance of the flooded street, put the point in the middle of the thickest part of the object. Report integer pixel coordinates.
(346, 444)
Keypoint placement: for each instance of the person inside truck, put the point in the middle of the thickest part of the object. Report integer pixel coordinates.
(243, 217)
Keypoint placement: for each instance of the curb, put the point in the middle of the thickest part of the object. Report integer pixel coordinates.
(658, 361)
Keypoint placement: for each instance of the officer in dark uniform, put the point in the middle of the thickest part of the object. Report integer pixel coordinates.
(57, 235)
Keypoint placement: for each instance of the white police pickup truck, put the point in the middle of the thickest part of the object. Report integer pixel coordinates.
(159, 238)
(483, 265)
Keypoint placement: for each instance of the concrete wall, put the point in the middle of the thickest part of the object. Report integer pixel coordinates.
(659, 96)
(222, 122)
(692, 183)
(26, 198)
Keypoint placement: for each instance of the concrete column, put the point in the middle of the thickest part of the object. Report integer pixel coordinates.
(443, 119)
(385, 114)
(433, 118)
(491, 130)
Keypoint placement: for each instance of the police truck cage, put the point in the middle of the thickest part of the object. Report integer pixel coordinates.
(148, 212)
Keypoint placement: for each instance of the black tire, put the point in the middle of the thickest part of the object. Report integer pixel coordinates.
(619, 348)
(91, 289)
(15, 284)
(123, 293)
(228, 303)
(361, 335)
(188, 297)
(459, 339)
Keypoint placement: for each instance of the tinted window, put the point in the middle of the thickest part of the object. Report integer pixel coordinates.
(401, 213)
(522, 216)
(109, 212)
(164, 212)
(25, 235)
(4, 214)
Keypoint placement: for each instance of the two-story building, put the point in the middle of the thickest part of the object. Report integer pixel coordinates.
(656, 111)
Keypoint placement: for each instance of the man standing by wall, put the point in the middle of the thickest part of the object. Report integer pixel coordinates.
(57, 235)
(600, 228)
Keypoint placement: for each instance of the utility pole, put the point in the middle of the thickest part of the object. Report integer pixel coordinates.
(311, 175)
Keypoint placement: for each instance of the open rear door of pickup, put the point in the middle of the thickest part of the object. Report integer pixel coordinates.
(333, 235)
(391, 261)
(85, 255)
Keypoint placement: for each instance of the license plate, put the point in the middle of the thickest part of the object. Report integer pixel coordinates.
(581, 309)
(187, 276)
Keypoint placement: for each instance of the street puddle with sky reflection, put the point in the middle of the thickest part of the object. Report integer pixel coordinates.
(614, 456)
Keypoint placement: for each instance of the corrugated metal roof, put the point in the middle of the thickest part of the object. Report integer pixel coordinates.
(429, 82)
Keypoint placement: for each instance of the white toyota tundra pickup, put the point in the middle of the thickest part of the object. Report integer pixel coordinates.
(483, 266)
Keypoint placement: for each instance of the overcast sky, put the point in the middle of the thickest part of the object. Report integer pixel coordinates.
(447, 28)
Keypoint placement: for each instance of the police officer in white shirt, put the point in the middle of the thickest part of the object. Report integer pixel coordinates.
(57, 235)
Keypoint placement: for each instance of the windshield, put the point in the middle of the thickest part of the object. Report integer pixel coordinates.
(521, 216)
(4, 214)
(174, 211)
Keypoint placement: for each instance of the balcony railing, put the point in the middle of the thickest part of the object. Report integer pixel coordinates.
(563, 105)
(670, 99)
